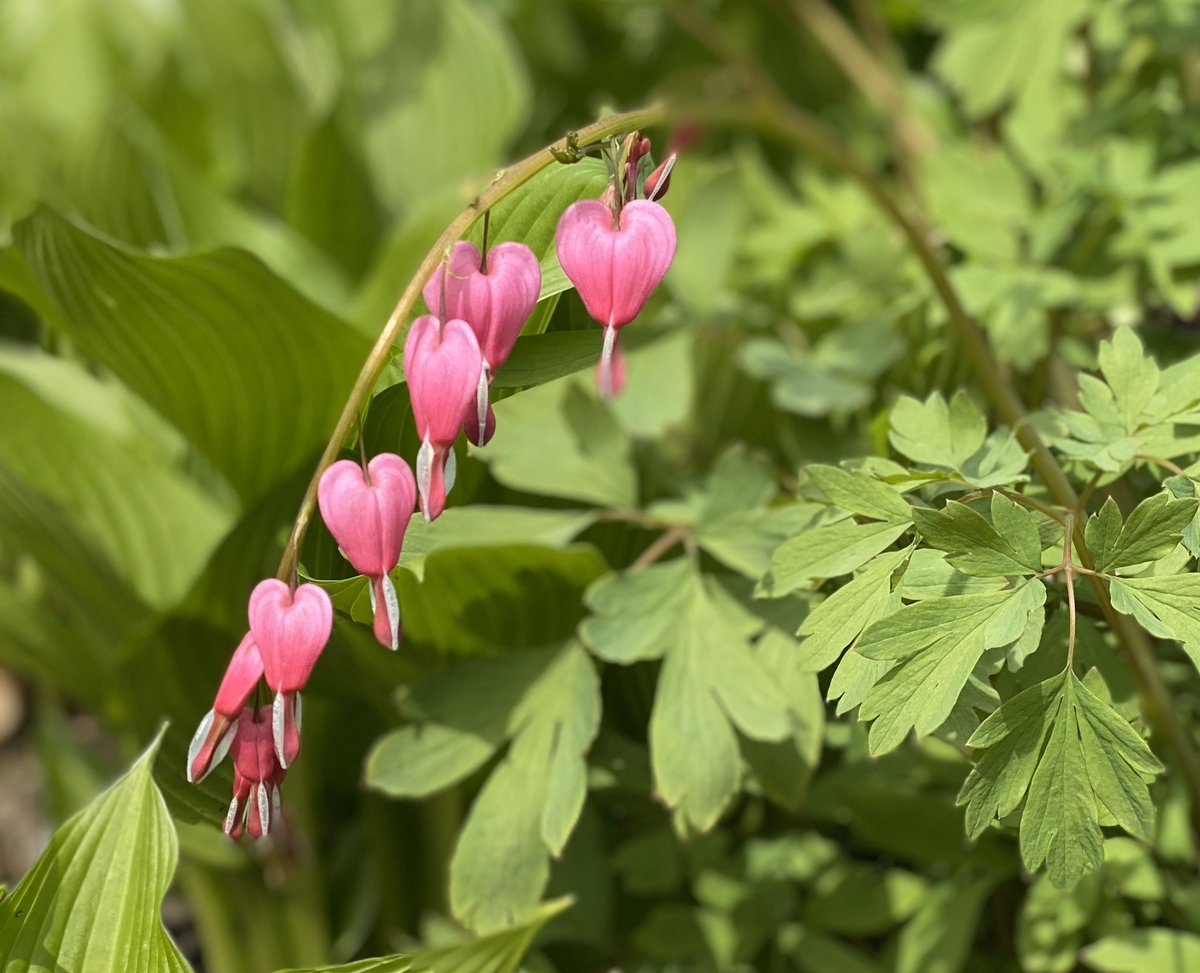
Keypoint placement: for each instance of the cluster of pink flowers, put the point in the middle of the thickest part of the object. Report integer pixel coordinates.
(615, 250)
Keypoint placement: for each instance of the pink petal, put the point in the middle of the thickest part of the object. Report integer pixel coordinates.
(241, 676)
(368, 519)
(615, 269)
(495, 304)
(442, 367)
(290, 629)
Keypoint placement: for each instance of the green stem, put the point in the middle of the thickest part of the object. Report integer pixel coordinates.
(505, 183)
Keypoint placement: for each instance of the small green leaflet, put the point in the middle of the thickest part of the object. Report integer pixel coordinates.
(840, 618)
(937, 643)
(858, 493)
(1150, 533)
(954, 437)
(1164, 607)
(548, 704)
(1139, 950)
(1048, 746)
(1135, 409)
(711, 680)
(1009, 545)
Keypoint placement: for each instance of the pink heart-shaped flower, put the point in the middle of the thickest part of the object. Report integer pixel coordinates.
(291, 629)
(496, 302)
(442, 365)
(615, 269)
(368, 515)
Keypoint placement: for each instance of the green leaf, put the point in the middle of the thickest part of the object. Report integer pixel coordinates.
(939, 937)
(1092, 761)
(827, 552)
(1009, 545)
(559, 440)
(938, 644)
(1150, 533)
(530, 803)
(1164, 606)
(859, 900)
(1052, 921)
(480, 599)
(954, 437)
(711, 680)
(483, 525)
(156, 527)
(416, 65)
(546, 704)
(840, 618)
(1000, 51)
(1141, 950)
(93, 900)
(858, 493)
(1013, 736)
(257, 401)
(936, 433)
(784, 768)
(540, 358)
(928, 575)
(500, 952)
(1132, 375)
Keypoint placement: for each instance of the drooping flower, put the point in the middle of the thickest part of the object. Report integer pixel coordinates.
(215, 734)
(257, 775)
(495, 298)
(442, 365)
(368, 512)
(615, 262)
(291, 629)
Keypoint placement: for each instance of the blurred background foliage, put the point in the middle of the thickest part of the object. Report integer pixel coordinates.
(208, 209)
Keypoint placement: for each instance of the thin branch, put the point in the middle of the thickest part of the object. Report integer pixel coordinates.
(911, 138)
(1162, 462)
(661, 544)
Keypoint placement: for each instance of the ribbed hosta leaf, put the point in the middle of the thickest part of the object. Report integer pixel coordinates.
(249, 371)
(92, 902)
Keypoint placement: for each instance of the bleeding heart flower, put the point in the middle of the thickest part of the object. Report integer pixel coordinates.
(443, 366)
(215, 734)
(257, 775)
(291, 629)
(368, 513)
(495, 299)
(615, 265)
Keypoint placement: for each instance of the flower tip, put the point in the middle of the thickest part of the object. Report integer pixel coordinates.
(210, 743)
(285, 728)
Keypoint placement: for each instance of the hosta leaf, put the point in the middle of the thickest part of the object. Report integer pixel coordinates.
(540, 358)
(156, 527)
(93, 900)
(500, 952)
(257, 400)
(417, 64)
(938, 644)
(711, 680)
